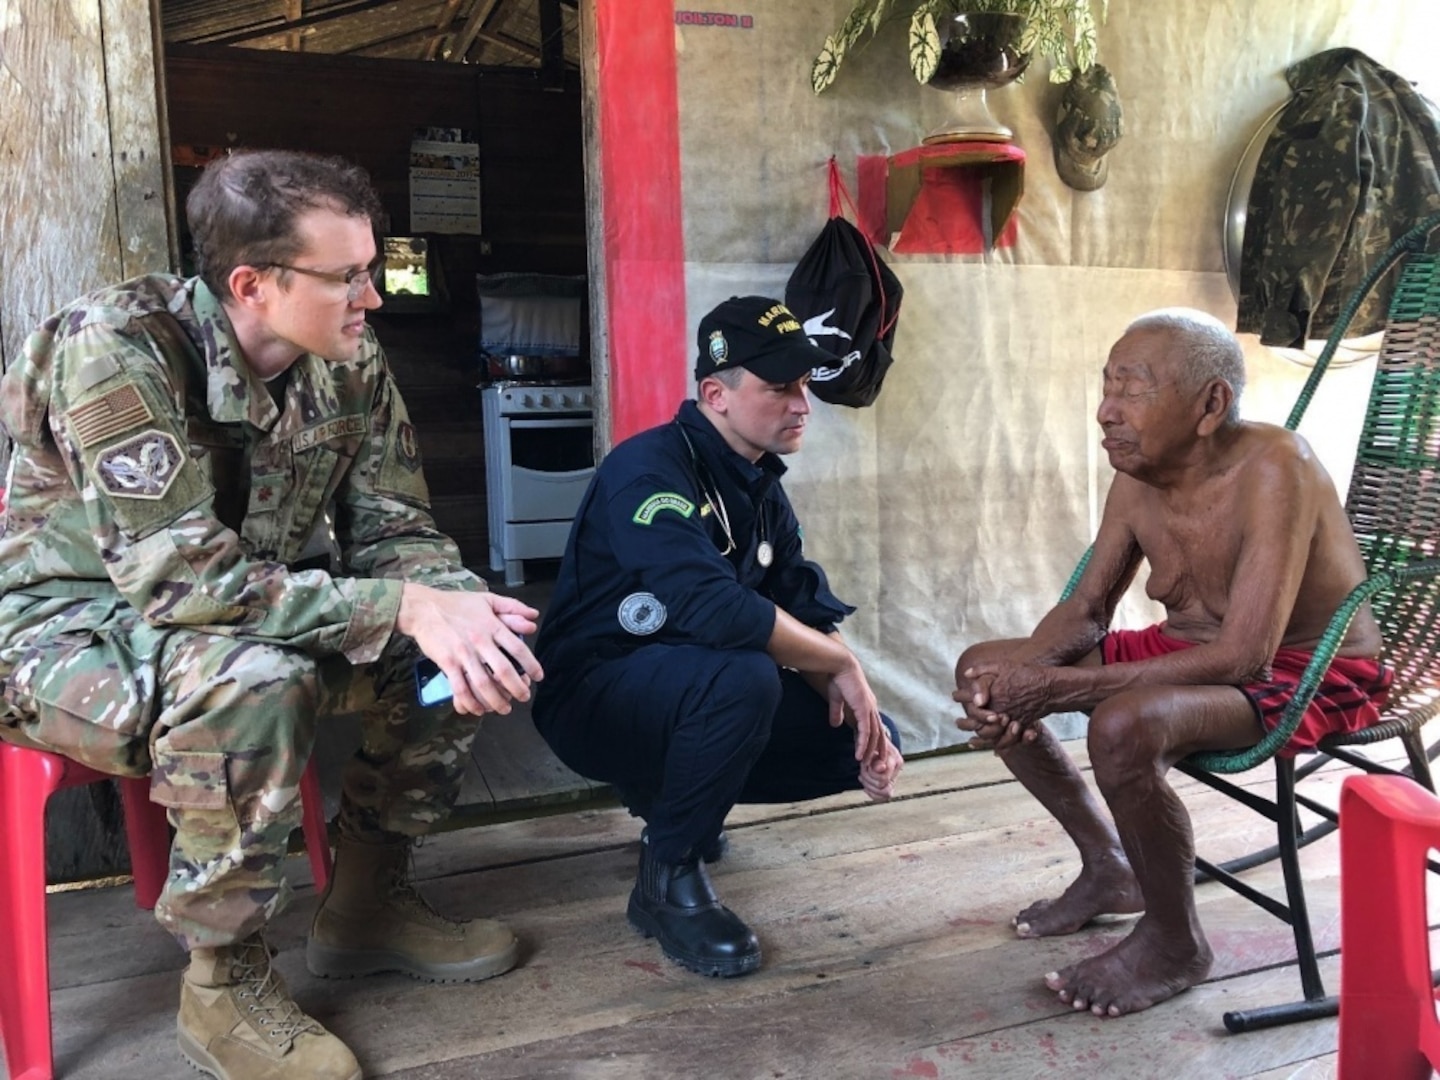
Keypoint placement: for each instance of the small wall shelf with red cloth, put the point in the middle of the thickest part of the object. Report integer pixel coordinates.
(949, 198)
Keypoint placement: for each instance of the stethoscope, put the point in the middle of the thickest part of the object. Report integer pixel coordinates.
(765, 553)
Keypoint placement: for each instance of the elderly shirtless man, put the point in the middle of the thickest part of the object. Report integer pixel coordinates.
(1250, 552)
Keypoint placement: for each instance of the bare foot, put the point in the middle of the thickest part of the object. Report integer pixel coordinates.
(1146, 968)
(1109, 888)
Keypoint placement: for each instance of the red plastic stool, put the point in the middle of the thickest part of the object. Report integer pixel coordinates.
(1388, 824)
(27, 780)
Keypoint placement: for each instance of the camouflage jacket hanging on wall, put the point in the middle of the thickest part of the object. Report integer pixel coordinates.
(1350, 167)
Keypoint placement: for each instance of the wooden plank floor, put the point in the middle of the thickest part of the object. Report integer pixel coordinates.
(888, 953)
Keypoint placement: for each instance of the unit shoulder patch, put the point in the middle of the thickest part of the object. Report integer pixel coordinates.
(663, 500)
(407, 446)
(144, 467)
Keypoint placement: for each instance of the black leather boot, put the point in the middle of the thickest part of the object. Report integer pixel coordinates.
(715, 850)
(676, 904)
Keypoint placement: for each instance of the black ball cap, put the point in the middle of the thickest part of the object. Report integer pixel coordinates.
(758, 333)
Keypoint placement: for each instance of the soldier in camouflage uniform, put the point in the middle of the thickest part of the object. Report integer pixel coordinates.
(177, 446)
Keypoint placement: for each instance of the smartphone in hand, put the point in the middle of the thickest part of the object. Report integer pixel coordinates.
(432, 686)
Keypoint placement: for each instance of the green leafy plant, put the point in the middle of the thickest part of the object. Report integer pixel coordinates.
(1060, 31)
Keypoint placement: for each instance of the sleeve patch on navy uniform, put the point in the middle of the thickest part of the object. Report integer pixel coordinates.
(641, 614)
(141, 468)
(121, 410)
(664, 500)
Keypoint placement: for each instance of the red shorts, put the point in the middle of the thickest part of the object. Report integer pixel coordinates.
(1349, 698)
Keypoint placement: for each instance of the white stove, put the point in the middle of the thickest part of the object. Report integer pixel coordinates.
(539, 458)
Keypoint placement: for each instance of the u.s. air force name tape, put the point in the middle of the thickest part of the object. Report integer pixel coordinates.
(663, 500)
(337, 427)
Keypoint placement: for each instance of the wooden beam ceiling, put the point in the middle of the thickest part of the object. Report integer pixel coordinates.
(442, 29)
(525, 32)
(515, 45)
(269, 27)
(474, 26)
(393, 42)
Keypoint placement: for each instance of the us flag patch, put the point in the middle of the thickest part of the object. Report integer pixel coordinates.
(121, 410)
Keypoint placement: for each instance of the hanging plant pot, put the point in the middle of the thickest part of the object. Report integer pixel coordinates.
(974, 52)
(1061, 33)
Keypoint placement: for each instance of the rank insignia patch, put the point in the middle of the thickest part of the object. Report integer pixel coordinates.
(143, 468)
(122, 409)
(664, 500)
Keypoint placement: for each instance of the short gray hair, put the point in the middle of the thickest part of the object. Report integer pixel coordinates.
(1205, 349)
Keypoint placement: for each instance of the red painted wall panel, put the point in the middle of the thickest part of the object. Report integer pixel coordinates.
(638, 112)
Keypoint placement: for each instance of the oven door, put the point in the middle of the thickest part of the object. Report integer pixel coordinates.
(551, 462)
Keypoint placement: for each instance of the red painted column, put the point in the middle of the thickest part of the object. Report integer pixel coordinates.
(638, 113)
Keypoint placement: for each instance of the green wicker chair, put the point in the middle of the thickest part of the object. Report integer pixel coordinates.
(1394, 509)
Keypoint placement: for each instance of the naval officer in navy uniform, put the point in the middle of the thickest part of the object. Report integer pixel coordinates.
(692, 648)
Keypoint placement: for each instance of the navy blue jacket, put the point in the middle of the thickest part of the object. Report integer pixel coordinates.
(646, 560)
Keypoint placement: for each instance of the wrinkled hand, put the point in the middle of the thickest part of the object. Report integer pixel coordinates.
(994, 729)
(1023, 692)
(998, 732)
(474, 638)
(852, 699)
(877, 778)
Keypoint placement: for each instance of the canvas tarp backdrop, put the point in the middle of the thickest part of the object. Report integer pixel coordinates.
(955, 508)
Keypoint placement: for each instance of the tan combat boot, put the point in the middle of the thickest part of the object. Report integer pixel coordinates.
(238, 1021)
(371, 919)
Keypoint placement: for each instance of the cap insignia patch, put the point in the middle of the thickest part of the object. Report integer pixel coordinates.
(719, 348)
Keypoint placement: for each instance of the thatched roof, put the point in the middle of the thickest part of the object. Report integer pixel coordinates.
(494, 32)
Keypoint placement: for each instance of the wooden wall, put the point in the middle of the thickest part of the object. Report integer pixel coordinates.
(83, 201)
(82, 184)
(532, 193)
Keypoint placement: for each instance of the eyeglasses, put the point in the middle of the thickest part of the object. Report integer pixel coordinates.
(355, 281)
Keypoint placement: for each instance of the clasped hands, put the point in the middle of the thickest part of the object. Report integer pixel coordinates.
(853, 702)
(1003, 702)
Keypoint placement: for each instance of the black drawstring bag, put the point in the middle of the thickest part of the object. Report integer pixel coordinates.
(849, 302)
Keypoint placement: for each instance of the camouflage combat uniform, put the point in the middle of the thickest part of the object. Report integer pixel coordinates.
(159, 495)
